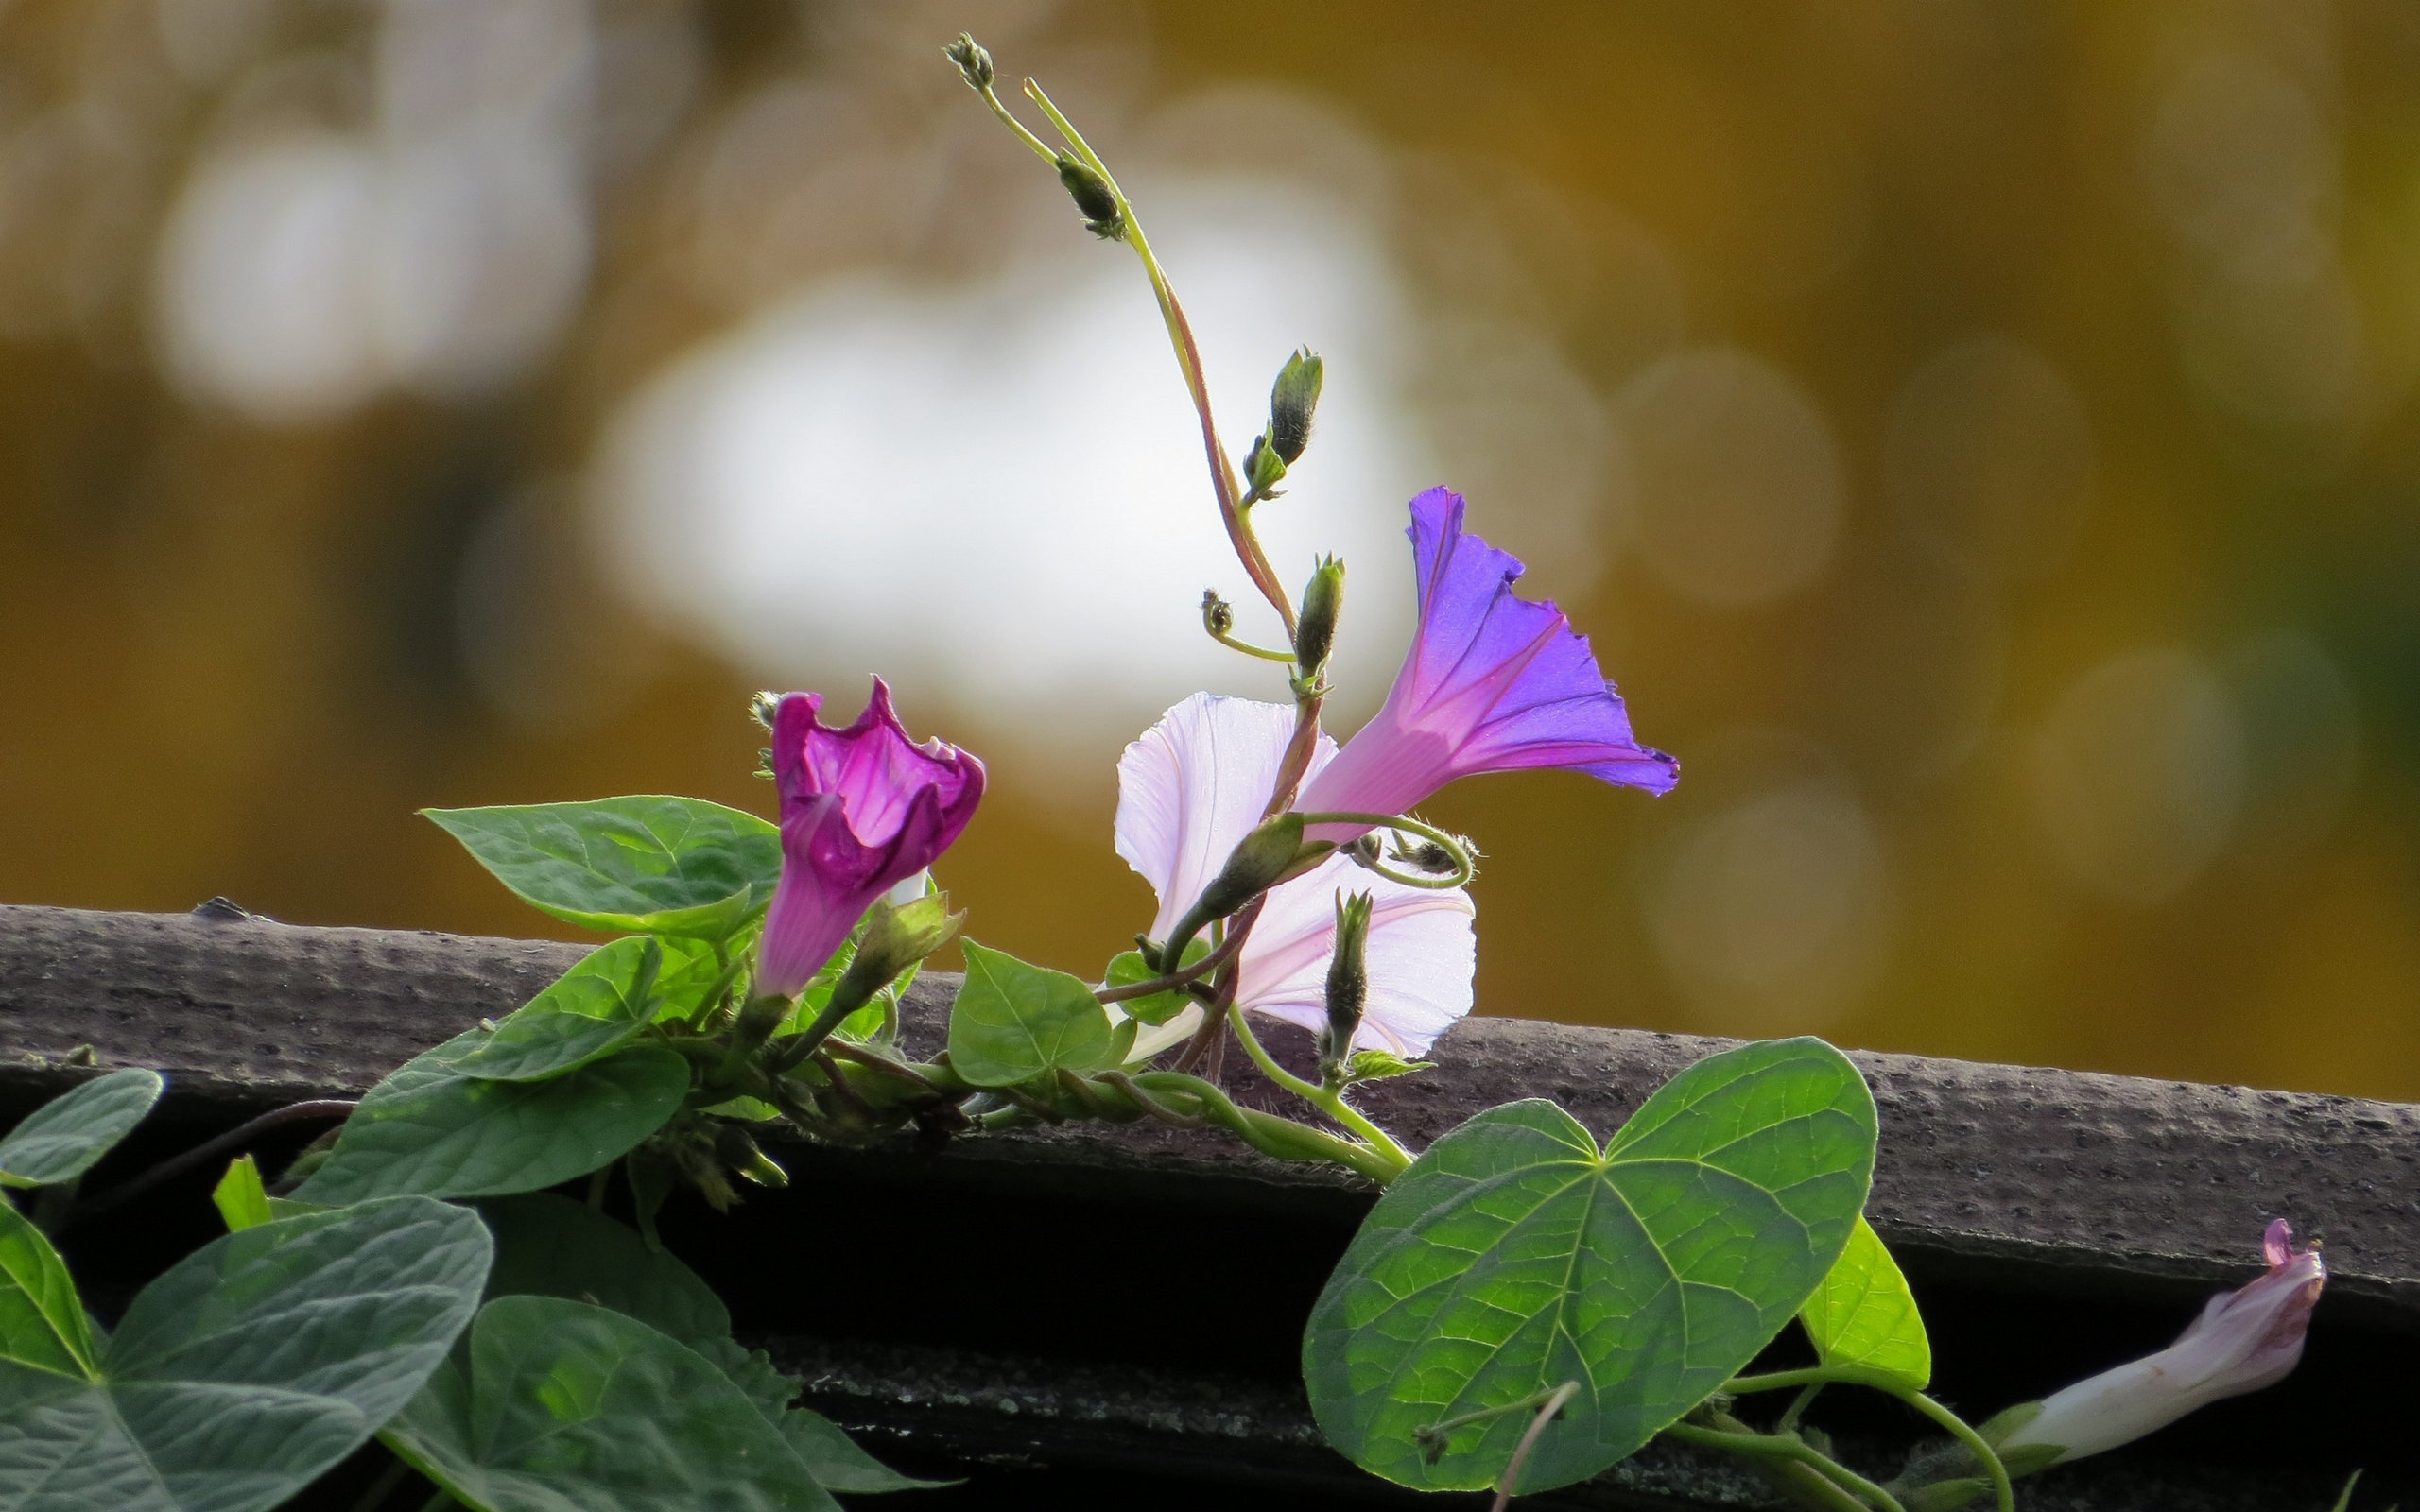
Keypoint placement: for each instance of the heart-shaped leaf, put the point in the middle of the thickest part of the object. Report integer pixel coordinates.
(569, 1405)
(252, 1365)
(589, 1012)
(429, 1130)
(1515, 1256)
(646, 864)
(1864, 1318)
(1012, 1021)
(68, 1136)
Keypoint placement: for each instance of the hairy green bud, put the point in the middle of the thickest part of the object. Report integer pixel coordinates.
(972, 60)
(1263, 468)
(1256, 865)
(1094, 197)
(1348, 983)
(1315, 631)
(894, 939)
(1291, 402)
(1217, 615)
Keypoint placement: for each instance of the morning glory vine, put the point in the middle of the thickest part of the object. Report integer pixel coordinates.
(1528, 1302)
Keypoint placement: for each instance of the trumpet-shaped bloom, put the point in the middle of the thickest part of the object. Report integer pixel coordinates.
(863, 809)
(2244, 1339)
(1193, 786)
(1493, 682)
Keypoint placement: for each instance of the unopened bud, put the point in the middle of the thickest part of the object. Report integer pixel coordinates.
(1348, 982)
(1094, 197)
(1323, 602)
(736, 1149)
(895, 938)
(1263, 468)
(1258, 860)
(1293, 400)
(763, 707)
(1217, 615)
(972, 60)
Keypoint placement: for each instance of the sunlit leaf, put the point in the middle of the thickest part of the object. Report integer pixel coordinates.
(1864, 1317)
(589, 1012)
(646, 864)
(1013, 1021)
(1515, 1255)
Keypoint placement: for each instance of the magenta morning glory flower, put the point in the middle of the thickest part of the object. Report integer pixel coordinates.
(1493, 682)
(2244, 1340)
(862, 809)
(1193, 786)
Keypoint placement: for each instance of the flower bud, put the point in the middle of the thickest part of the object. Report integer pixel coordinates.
(1258, 863)
(736, 1149)
(1217, 615)
(895, 938)
(1315, 631)
(761, 707)
(1348, 983)
(1094, 197)
(1291, 402)
(1263, 468)
(2244, 1339)
(972, 60)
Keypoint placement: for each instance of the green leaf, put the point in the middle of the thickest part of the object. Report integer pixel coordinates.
(1378, 1065)
(691, 971)
(429, 1130)
(252, 1365)
(567, 1405)
(41, 1320)
(1013, 1021)
(550, 1245)
(589, 1012)
(1515, 1256)
(241, 1196)
(651, 864)
(836, 1461)
(1127, 966)
(68, 1136)
(1864, 1318)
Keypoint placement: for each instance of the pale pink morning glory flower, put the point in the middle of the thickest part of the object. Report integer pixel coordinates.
(2244, 1340)
(863, 810)
(1192, 788)
(1493, 682)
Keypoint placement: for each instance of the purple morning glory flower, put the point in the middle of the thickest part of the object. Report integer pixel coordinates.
(862, 810)
(1493, 682)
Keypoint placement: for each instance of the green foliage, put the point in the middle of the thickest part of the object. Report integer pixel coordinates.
(68, 1136)
(42, 1320)
(429, 1128)
(241, 1197)
(1379, 1065)
(246, 1369)
(1013, 1021)
(588, 1013)
(563, 1404)
(1128, 968)
(1864, 1318)
(1515, 1256)
(648, 864)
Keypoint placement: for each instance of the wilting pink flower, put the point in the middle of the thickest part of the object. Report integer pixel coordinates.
(1493, 682)
(1193, 786)
(862, 809)
(2244, 1340)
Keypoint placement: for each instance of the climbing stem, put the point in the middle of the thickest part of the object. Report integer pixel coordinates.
(1326, 1101)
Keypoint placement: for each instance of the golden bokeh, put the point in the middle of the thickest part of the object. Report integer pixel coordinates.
(1979, 439)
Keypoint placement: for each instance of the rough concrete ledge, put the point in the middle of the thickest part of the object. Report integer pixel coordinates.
(2040, 1178)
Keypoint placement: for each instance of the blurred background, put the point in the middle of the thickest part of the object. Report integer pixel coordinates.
(1981, 439)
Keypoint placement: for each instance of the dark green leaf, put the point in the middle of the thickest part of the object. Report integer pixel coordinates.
(1515, 1256)
(1128, 968)
(653, 865)
(836, 1461)
(1013, 1021)
(41, 1320)
(65, 1137)
(252, 1366)
(429, 1130)
(1864, 1317)
(550, 1245)
(591, 1011)
(567, 1405)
